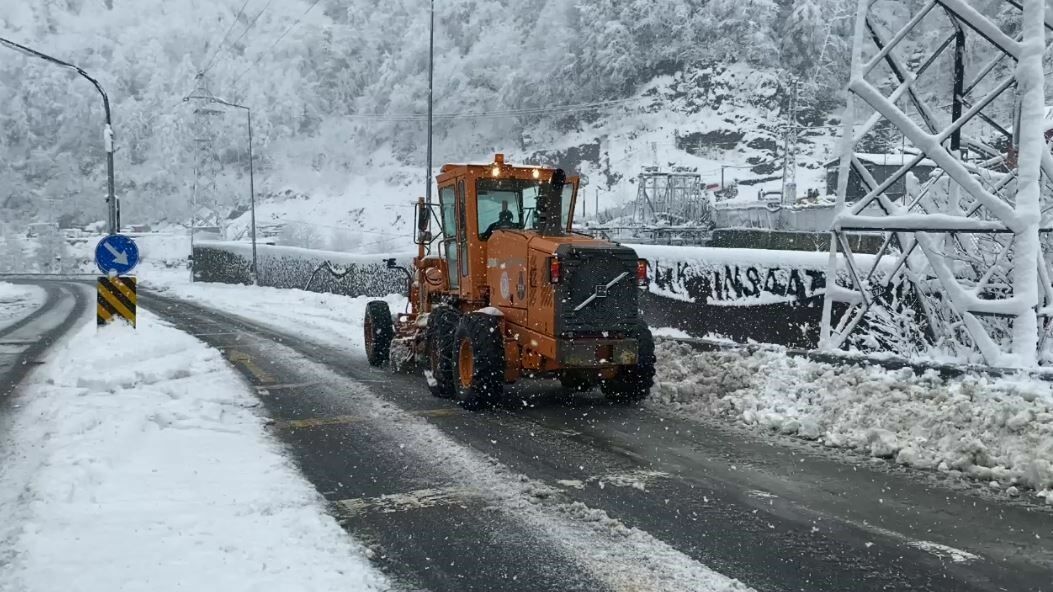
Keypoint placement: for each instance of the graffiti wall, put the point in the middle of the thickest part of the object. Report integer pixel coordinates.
(742, 294)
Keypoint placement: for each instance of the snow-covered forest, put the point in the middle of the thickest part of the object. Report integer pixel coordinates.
(338, 88)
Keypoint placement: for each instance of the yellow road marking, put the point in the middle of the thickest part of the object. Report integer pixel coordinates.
(291, 385)
(245, 360)
(441, 412)
(315, 422)
(410, 500)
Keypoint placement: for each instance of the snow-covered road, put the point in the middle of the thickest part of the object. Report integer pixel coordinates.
(137, 460)
(18, 301)
(141, 460)
(995, 430)
(727, 499)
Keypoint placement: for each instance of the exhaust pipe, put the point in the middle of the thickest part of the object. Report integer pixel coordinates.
(550, 206)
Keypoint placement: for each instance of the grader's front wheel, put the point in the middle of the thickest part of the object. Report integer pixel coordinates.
(479, 361)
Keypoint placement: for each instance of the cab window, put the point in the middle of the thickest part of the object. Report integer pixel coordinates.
(447, 205)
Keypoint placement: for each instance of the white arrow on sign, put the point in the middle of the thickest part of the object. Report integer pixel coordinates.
(118, 256)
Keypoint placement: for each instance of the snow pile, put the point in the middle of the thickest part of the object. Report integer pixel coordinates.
(136, 462)
(17, 301)
(326, 318)
(995, 430)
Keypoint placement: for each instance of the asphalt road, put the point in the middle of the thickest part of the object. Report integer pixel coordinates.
(557, 494)
(23, 342)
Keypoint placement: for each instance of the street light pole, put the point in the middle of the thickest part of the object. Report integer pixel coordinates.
(431, 84)
(113, 214)
(252, 204)
(252, 177)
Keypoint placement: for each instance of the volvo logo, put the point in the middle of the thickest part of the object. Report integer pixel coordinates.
(601, 291)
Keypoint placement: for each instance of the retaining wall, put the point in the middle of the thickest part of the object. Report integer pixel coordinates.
(290, 267)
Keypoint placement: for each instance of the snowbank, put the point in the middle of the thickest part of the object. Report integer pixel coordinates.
(995, 430)
(136, 462)
(331, 319)
(17, 301)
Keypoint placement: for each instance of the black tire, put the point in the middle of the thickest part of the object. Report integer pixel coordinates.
(442, 328)
(577, 381)
(379, 331)
(633, 383)
(480, 343)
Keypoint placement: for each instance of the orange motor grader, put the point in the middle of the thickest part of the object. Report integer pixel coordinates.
(507, 290)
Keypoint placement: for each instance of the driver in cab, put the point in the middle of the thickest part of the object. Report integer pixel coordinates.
(505, 221)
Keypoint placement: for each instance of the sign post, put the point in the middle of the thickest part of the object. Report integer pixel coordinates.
(116, 256)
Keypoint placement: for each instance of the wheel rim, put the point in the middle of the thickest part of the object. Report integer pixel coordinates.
(368, 327)
(464, 364)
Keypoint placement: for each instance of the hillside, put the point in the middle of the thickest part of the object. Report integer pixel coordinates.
(338, 91)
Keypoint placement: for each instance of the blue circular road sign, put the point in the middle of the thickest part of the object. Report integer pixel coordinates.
(116, 254)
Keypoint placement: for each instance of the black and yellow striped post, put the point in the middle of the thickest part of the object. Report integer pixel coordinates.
(117, 299)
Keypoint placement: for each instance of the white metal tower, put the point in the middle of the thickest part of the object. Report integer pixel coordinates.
(962, 270)
(789, 162)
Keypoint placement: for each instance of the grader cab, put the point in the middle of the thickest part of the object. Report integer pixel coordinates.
(506, 290)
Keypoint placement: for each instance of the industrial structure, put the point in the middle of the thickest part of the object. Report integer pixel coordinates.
(670, 198)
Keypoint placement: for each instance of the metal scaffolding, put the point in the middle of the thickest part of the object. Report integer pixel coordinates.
(677, 198)
(961, 270)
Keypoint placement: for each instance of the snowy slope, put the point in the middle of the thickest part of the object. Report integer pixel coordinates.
(156, 474)
(700, 118)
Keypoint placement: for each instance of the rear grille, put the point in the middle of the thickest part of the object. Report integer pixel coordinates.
(598, 293)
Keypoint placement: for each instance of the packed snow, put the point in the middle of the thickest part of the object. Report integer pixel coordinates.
(135, 460)
(991, 429)
(17, 301)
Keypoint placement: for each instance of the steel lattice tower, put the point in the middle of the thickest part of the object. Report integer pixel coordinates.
(961, 269)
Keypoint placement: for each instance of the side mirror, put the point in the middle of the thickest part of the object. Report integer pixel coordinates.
(391, 263)
(423, 223)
